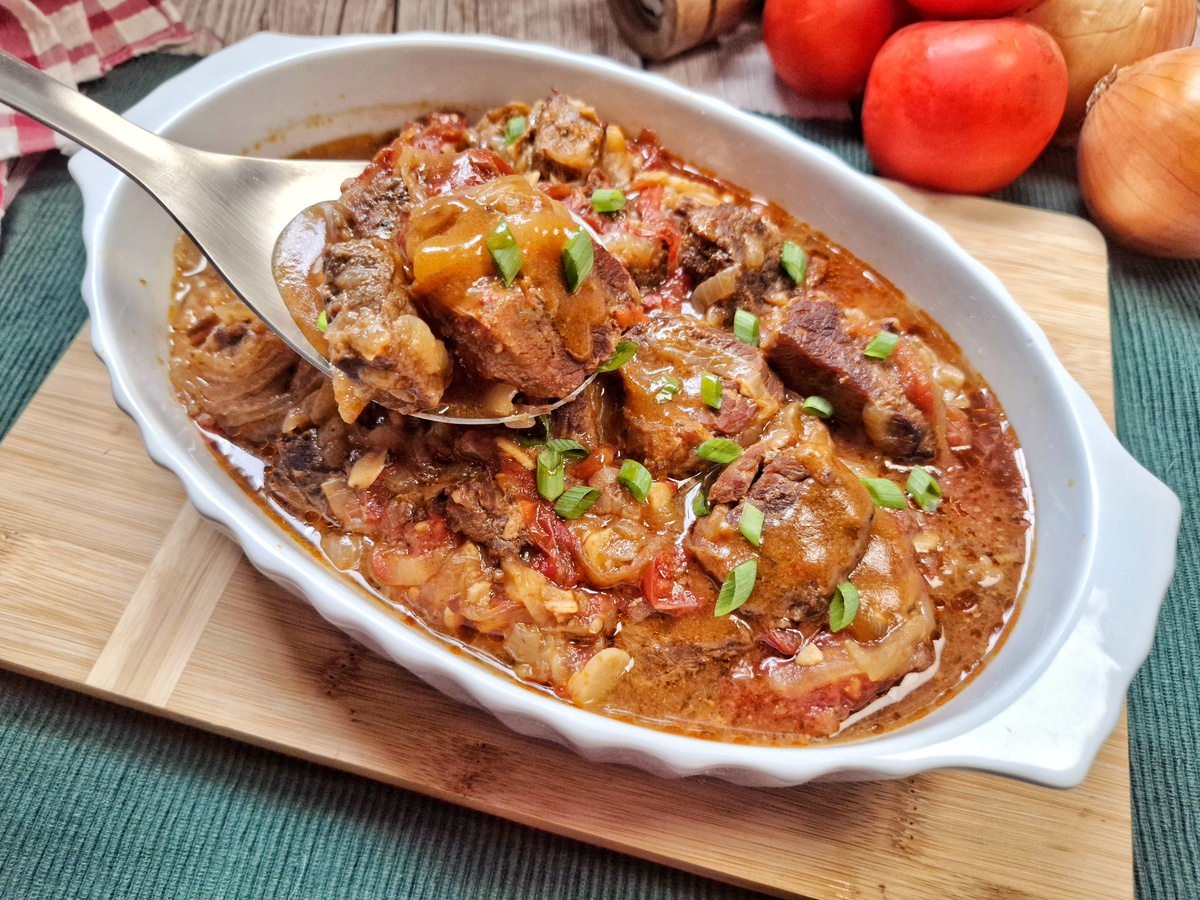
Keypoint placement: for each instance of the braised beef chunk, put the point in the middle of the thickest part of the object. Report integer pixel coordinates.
(374, 207)
(481, 512)
(669, 648)
(567, 137)
(535, 333)
(299, 469)
(716, 237)
(592, 418)
(817, 517)
(663, 426)
(380, 348)
(814, 353)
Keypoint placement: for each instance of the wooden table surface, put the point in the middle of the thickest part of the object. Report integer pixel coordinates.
(734, 68)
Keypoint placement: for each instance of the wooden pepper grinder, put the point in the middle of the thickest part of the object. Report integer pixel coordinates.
(657, 29)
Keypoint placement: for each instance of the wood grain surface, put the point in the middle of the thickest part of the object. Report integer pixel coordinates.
(733, 67)
(145, 604)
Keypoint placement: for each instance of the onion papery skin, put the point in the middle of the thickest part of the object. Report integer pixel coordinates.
(1097, 36)
(1139, 155)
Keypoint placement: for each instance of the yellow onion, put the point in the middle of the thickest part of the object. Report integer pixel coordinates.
(1097, 36)
(1139, 155)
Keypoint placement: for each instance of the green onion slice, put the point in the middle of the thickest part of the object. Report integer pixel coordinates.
(323, 322)
(505, 253)
(737, 587)
(513, 129)
(608, 200)
(578, 254)
(843, 607)
(817, 406)
(576, 501)
(745, 327)
(794, 261)
(750, 524)
(885, 492)
(924, 489)
(567, 448)
(551, 476)
(544, 421)
(710, 389)
(882, 345)
(666, 388)
(719, 450)
(623, 354)
(636, 478)
(700, 505)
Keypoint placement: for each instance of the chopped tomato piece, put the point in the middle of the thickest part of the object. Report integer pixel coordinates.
(596, 460)
(558, 546)
(914, 378)
(663, 592)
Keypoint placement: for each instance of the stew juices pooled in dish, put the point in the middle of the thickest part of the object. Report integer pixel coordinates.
(785, 510)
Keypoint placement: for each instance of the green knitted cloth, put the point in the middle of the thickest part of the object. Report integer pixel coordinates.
(100, 801)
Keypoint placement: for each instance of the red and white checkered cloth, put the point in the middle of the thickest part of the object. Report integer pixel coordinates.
(73, 40)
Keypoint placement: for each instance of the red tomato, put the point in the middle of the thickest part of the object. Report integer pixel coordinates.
(966, 9)
(823, 49)
(963, 106)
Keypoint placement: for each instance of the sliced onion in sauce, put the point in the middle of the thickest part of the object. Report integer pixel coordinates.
(715, 289)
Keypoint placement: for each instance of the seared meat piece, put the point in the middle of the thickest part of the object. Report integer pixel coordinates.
(299, 469)
(567, 137)
(665, 648)
(889, 638)
(815, 352)
(373, 205)
(817, 517)
(664, 431)
(480, 511)
(380, 348)
(533, 334)
(716, 237)
(589, 418)
(733, 256)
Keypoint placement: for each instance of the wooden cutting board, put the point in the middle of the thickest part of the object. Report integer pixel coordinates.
(144, 603)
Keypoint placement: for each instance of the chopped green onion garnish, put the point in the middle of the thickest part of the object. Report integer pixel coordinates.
(567, 448)
(737, 587)
(794, 261)
(577, 256)
(843, 607)
(719, 450)
(323, 322)
(924, 489)
(745, 327)
(608, 200)
(817, 406)
(576, 501)
(710, 389)
(885, 492)
(666, 388)
(513, 129)
(623, 354)
(750, 524)
(882, 345)
(636, 478)
(551, 477)
(544, 421)
(700, 506)
(505, 253)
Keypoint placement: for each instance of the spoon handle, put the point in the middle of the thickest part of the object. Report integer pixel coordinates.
(136, 152)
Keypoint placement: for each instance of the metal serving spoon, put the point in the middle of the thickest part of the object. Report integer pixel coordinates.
(233, 207)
